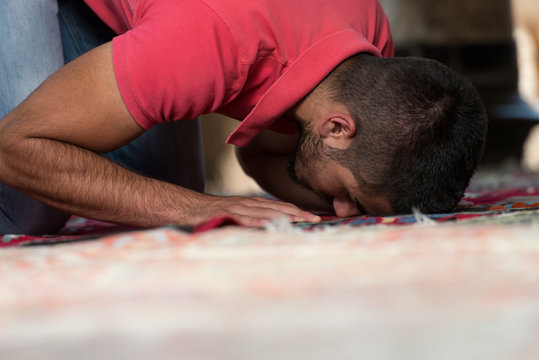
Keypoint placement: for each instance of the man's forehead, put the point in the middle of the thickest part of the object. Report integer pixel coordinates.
(377, 205)
(345, 184)
(366, 201)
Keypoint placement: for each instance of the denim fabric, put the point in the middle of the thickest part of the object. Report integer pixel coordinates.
(81, 29)
(30, 48)
(40, 36)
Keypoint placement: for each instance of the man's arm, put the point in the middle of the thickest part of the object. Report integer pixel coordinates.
(265, 159)
(49, 149)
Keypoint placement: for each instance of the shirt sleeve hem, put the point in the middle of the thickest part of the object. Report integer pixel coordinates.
(119, 55)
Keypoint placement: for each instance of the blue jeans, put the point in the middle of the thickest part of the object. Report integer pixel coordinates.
(38, 37)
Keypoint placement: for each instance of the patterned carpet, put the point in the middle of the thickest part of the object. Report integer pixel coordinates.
(450, 286)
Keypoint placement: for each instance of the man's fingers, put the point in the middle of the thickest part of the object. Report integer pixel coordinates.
(251, 211)
(270, 209)
(248, 221)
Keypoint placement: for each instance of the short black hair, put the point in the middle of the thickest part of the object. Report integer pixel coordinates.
(421, 130)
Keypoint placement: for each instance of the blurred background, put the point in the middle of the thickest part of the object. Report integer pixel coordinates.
(495, 43)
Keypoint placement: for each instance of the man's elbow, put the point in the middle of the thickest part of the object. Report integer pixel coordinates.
(14, 144)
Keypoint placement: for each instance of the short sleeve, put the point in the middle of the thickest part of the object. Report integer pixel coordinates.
(177, 62)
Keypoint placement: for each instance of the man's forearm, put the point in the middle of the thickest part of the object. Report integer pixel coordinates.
(82, 182)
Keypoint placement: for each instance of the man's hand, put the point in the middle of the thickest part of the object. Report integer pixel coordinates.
(252, 211)
(49, 149)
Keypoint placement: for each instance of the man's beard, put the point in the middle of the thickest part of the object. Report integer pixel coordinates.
(306, 158)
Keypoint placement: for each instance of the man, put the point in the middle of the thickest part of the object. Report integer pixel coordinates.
(376, 135)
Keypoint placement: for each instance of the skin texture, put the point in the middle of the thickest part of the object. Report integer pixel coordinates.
(49, 149)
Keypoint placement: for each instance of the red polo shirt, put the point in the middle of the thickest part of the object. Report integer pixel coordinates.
(249, 59)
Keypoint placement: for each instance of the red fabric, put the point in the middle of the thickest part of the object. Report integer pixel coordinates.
(78, 229)
(250, 60)
(216, 223)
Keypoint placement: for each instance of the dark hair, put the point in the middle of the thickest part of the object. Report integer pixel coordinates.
(420, 130)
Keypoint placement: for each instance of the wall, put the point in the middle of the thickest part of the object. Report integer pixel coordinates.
(449, 21)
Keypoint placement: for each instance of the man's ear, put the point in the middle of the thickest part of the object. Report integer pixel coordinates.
(337, 130)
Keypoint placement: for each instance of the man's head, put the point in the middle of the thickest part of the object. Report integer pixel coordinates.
(407, 132)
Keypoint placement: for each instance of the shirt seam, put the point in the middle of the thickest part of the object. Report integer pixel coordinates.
(149, 119)
(240, 50)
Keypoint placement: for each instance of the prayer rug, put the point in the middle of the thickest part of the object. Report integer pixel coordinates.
(496, 195)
